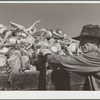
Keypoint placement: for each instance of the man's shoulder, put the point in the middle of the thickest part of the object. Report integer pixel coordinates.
(95, 53)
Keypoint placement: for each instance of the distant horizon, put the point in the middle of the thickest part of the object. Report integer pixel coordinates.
(70, 18)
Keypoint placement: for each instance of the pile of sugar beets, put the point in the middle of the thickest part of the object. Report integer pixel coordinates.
(20, 46)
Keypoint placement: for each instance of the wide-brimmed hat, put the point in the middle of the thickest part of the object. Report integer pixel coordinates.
(89, 31)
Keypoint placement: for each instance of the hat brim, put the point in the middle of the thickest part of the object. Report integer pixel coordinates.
(76, 38)
(85, 36)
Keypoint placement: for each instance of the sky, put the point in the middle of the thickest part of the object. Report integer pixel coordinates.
(70, 18)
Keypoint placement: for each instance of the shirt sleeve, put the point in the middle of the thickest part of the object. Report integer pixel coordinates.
(79, 64)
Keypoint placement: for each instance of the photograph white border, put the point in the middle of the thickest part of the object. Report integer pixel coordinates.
(50, 94)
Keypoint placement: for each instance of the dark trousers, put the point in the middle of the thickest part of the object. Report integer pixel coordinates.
(42, 79)
(61, 79)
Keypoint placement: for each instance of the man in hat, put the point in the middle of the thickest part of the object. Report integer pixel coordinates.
(87, 63)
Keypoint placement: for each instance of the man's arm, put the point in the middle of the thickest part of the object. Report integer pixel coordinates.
(79, 64)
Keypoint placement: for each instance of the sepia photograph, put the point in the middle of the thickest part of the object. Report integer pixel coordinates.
(49, 46)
